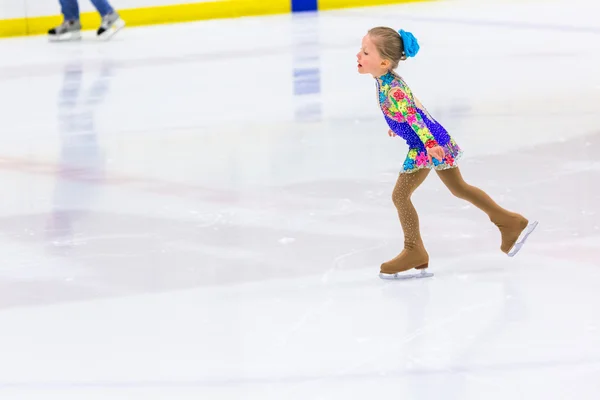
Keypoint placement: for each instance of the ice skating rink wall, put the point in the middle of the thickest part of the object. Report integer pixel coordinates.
(34, 17)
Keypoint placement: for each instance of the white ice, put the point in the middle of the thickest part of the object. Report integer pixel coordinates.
(199, 211)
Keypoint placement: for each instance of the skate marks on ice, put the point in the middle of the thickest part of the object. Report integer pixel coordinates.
(418, 330)
(337, 263)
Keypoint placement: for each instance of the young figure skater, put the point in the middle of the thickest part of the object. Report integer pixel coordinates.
(70, 29)
(430, 147)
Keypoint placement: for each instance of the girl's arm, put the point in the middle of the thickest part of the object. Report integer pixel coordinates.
(400, 108)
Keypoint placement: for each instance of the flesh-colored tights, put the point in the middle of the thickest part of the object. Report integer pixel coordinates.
(509, 223)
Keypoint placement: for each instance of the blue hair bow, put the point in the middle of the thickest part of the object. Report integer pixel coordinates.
(411, 45)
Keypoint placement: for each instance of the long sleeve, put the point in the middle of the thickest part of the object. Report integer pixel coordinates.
(399, 106)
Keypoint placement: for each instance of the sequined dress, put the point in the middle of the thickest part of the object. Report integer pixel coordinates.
(407, 117)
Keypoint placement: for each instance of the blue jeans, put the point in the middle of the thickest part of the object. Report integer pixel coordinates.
(70, 8)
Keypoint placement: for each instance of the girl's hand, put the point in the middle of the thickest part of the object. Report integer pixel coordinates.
(391, 133)
(436, 152)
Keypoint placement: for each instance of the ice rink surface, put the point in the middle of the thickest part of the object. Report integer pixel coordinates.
(199, 211)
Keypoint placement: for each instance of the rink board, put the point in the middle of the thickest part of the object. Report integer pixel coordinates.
(19, 19)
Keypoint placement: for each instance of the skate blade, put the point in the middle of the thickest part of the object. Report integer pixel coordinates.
(400, 276)
(522, 238)
(112, 31)
(65, 37)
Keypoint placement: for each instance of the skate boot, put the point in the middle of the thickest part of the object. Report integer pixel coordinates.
(411, 258)
(111, 24)
(515, 232)
(67, 31)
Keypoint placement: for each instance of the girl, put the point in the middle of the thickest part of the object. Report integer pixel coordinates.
(430, 147)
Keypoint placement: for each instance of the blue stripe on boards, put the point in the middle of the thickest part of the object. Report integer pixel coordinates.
(304, 5)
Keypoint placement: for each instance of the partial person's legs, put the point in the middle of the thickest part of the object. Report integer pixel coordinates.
(414, 254)
(111, 21)
(69, 10)
(103, 7)
(70, 29)
(510, 224)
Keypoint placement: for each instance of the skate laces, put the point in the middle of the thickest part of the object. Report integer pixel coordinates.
(64, 27)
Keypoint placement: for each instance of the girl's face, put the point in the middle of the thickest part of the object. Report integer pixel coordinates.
(369, 60)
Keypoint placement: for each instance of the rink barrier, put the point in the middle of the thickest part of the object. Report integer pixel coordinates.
(337, 4)
(190, 12)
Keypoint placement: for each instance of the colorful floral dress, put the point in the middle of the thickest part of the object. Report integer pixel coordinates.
(407, 117)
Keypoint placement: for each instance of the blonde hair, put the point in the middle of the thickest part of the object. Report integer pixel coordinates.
(389, 44)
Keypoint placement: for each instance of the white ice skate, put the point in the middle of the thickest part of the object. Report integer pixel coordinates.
(522, 238)
(65, 32)
(423, 273)
(111, 24)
